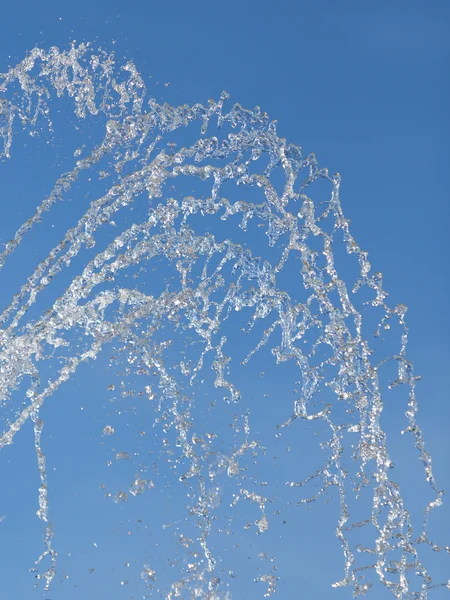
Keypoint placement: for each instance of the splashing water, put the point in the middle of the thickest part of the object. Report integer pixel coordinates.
(186, 289)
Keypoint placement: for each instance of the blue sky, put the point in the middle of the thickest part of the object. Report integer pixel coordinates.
(365, 87)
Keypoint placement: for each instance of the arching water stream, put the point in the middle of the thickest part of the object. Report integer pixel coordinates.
(211, 263)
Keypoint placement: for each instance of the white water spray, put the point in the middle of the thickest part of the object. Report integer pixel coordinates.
(177, 326)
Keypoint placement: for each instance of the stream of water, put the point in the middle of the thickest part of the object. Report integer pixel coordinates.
(209, 241)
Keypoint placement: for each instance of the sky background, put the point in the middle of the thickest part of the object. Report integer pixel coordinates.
(363, 85)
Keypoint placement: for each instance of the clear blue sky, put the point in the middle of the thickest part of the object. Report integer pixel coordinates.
(363, 85)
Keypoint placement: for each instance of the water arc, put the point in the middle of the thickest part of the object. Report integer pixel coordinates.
(192, 250)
